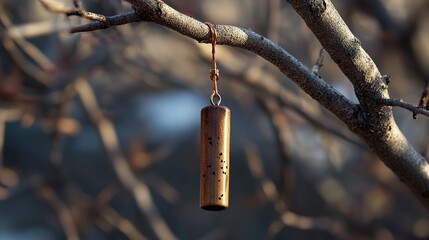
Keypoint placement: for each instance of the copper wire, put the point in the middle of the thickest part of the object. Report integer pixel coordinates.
(214, 72)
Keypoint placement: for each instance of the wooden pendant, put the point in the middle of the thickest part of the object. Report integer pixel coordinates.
(214, 164)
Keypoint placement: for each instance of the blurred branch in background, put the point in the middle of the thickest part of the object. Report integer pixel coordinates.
(115, 220)
(62, 211)
(287, 218)
(33, 52)
(127, 178)
(282, 130)
(24, 64)
(8, 177)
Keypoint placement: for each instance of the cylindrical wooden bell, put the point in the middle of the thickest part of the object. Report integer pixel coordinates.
(214, 165)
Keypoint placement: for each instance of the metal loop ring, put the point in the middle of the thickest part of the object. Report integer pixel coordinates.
(213, 97)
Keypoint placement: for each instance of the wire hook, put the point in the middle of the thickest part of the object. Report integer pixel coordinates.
(214, 72)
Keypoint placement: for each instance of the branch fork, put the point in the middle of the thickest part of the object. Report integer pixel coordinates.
(372, 119)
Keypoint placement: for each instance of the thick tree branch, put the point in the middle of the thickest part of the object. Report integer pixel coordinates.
(375, 121)
(345, 49)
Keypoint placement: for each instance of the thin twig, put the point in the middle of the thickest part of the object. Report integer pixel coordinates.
(114, 20)
(100, 21)
(58, 7)
(400, 103)
(319, 63)
(423, 104)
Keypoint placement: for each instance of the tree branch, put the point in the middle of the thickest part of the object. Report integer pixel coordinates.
(370, 120)
(307, 80)
(400, 103)
(310, 82)
(56, 6)
(100, 21)
(423, 103)
(345, 49)
(115, 20)
(375, 123)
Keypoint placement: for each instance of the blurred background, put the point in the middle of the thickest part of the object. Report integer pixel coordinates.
(99, 131)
